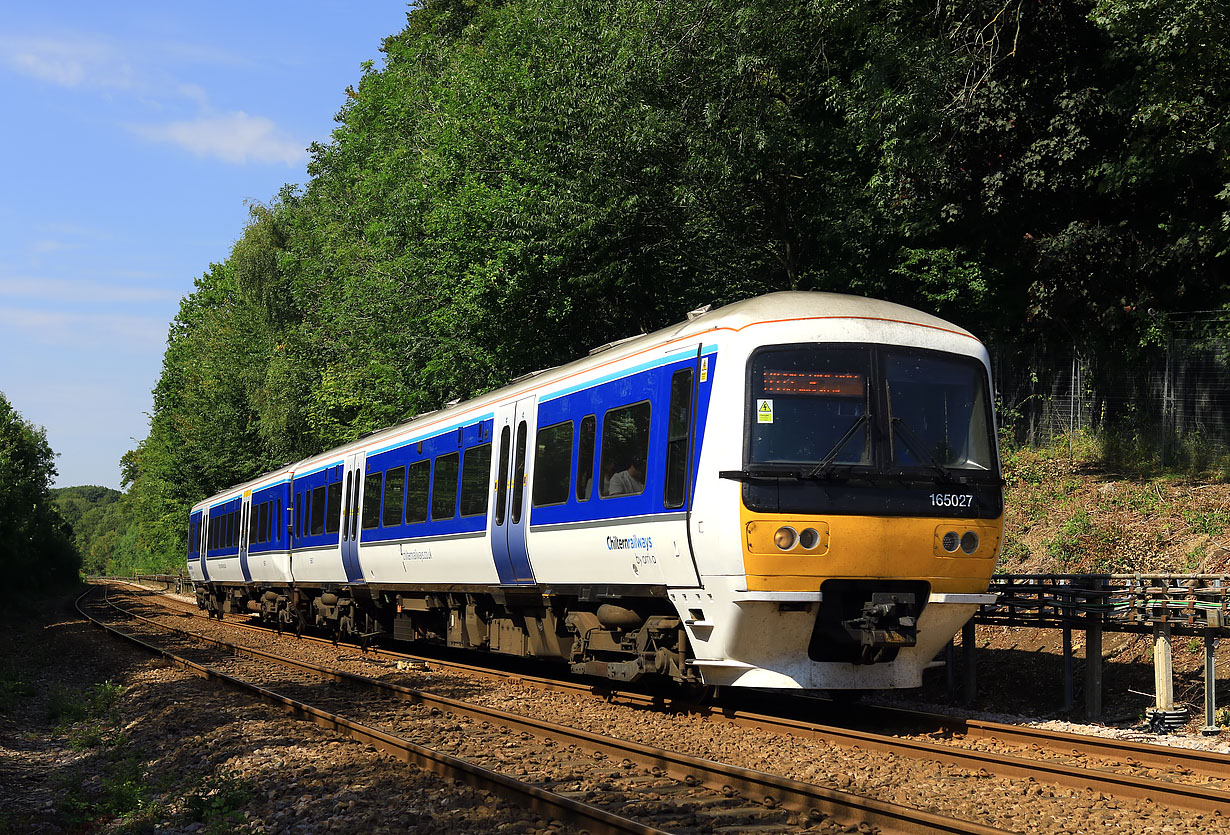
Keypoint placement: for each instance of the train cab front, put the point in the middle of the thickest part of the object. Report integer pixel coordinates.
(870, 512)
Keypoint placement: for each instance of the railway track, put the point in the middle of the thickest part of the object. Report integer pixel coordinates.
(1100, 764)
(570, 774)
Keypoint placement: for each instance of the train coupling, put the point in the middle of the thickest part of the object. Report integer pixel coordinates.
(886, 621)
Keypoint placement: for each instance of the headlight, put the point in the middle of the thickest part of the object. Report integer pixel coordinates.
(969, 542)
(785, 538)
(951, 541)
(809, 538)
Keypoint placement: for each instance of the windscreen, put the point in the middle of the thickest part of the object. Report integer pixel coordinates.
(810, 404)
(939, 411)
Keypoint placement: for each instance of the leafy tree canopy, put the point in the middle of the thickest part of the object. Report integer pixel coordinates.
(520, 180)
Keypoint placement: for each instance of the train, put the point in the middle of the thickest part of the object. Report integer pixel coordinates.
(799, 490)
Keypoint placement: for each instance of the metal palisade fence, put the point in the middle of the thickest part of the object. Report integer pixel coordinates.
(1171, 400)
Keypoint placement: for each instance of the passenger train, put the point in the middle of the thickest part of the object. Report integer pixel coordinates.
(800, 490)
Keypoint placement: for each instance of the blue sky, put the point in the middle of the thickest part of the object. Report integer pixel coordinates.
(134, 135)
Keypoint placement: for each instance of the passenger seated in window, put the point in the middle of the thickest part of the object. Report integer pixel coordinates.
(608, 470)
(628, 481)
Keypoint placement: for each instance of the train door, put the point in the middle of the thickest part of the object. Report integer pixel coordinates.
(245, 526)
(352, 494)
(202, 542)
(509, 519)
(683, 444)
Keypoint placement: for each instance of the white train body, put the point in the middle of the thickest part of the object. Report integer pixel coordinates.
(819, 507)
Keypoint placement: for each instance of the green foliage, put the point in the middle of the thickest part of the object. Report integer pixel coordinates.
(34, 540)
(1208, 522)
(65, 707)
(521, 180)
(13, 690)
(218, 802)
(1069, 545)
(122, 791)
(97, 519)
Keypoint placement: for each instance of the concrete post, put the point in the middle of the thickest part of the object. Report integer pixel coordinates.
(1210, 673)
(1093, 662)
(1163, 668)
(968, 641)
(1068, 698)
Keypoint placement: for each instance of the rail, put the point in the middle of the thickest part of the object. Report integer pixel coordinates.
(1190, 604)
(1163, 605)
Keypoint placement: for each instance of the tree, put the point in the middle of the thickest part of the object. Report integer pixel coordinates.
(34, 540)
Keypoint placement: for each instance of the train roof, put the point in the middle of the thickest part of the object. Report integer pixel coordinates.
(784, 306)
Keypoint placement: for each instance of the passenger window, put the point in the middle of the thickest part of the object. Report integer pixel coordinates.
(394, 496)
(585, 458)
(553, 464)
(373, 484)
(475, 480)
(518, 476)
(298, 515)
(444, 487)
(318, 511)
(333, 507)
(253, 532)
(230, 529)
(625, 448)
(677, 434)
(418, 478)
(262, 534)
(501, 477)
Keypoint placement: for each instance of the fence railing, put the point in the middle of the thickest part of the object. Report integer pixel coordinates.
(1171, 395)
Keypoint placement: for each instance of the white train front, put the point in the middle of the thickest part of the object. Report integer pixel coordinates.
(800, 490)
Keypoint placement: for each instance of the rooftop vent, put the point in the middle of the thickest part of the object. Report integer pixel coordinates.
(610, 345)
(527, 375)
(698, 312)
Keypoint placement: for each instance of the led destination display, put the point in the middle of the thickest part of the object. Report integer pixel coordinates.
(813, 382)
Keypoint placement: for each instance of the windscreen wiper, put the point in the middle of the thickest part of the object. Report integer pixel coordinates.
(827, 461)
(916, 446)
(757, 474)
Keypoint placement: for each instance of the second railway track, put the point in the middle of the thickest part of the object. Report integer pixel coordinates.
(1185, 778)
(662, 790)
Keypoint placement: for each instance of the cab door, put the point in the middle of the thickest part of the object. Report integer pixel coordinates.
(352, 491)
(509, 520)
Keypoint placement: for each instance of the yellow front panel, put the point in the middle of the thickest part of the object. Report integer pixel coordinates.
(868, 546)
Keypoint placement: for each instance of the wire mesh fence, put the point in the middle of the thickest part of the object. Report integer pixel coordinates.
(1171, 399)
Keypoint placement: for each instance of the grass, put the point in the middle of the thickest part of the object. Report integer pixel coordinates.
(65, 707)
(121, 791)
(1105, 503)
(1068, 546)
(14, 690)
(1207, 522)
(217, 802)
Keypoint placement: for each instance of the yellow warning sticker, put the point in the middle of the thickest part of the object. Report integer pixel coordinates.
(704, 369)
(764, 411)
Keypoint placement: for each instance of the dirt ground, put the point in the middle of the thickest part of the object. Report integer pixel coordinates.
(97, 736)
(1066, 514)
